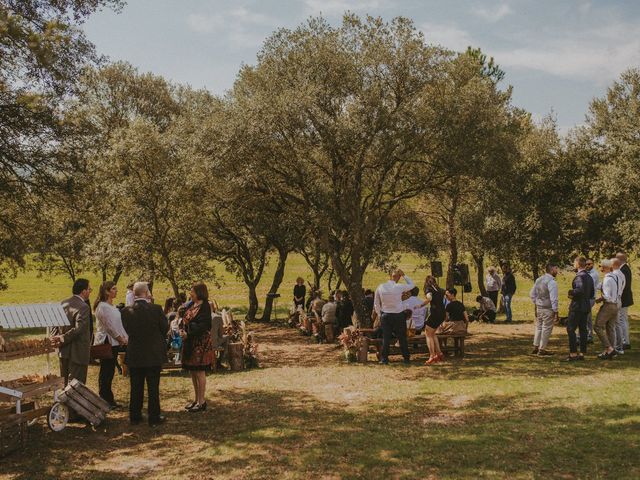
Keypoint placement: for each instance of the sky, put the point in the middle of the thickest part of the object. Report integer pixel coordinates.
(557, 54)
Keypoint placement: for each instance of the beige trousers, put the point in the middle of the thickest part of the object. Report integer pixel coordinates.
(543, 327)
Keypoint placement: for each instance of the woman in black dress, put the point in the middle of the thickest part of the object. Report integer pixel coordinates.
(299, 292)
(197, 347)
(435, 298)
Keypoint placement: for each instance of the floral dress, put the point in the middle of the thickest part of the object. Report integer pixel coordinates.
(197, 348)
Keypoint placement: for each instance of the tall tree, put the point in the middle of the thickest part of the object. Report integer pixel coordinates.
(338, 118)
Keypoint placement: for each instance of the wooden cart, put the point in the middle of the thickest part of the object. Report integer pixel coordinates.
(23, 396)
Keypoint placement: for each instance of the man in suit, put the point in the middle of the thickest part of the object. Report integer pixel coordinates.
(622, 327)
(147, 327)
(580, 294)
(74, 342)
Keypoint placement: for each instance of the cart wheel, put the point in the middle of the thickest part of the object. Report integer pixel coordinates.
(58, 417)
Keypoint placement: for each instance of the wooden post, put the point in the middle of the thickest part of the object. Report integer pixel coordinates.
(363, 350)
(236, 356)
(328, 333)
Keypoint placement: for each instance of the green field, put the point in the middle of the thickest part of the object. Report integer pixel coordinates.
(498, 413)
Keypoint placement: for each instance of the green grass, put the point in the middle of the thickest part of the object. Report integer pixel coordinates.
(497, 413)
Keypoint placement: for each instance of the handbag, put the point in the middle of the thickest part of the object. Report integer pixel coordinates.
(102, 351)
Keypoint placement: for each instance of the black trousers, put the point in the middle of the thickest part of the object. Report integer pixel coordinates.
(138, 376)
(577, 320)
(105, 377)
(494, 297)
(394, 324)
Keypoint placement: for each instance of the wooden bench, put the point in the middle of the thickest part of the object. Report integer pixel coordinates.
(417, 344)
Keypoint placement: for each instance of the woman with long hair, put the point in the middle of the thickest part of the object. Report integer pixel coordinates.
(435, 298)
(109, 329)
(197, 349)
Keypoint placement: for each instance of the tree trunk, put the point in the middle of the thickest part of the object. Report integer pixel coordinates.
(453, 250)
(104, 274)
(175, 288)
(275, 285)
(253, 302)
(479, 261)
(117, 274)
(354, 287)
(535, 269)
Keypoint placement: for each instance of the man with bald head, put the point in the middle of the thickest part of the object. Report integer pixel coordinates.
(626, 301)
(388, 305)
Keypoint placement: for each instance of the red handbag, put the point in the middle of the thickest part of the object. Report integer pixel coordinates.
(102, 351)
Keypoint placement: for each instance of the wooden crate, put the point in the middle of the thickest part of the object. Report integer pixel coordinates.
(13, 433)
(86, 403)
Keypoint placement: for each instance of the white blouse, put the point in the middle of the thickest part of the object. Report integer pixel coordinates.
(108, 324)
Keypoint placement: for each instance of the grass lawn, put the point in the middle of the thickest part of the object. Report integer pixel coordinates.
(497, 413)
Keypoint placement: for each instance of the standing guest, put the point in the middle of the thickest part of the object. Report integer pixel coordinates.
(508, 290)
(596, 287)
(130, 296)
(607, 316)
(544, 296)
(299, 293)
(487, 310)
(618, 341)
(418, 311)
(580, 295)
(109, 330)
(368, 308)
(456, 320)
(435, 299)
(197, 347)
(388, 306)
(627, 301)
(168, 305)
(493, 284)
(74, 342)
(147, 328)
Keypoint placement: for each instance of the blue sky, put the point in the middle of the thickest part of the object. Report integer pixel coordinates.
(557, 54)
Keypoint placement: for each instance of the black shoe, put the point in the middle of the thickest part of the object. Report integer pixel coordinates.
(545, 353)
(158, 421)
(190, 405)
(626, 346)
(613, 353)
(604, 356)
(535, 351)
(199, 407)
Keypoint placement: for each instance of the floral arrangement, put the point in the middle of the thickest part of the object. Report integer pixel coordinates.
(350, 340)
(236, 330)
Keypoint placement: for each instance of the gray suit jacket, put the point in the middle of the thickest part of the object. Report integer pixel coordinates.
(77, 337)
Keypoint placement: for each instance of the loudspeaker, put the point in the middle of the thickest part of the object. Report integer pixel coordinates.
(460, 274)
(436, 269)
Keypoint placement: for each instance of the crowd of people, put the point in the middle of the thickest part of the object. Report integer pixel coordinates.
(145, 333)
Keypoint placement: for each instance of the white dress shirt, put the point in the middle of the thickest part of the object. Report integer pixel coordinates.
(493, 282)
(128, 301)
(610, 288)
(419, 314)
(108, 324)
(388, 297)
(544, 293)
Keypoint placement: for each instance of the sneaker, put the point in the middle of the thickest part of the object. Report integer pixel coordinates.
(544, 353)
(619, 352)
(613, 353)
(535, 351)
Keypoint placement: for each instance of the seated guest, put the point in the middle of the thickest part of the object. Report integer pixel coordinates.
(197, 347)
(109, 330)
(456, 319)
(147, 328)
(316, 306)
(418, 311)
(487, 310)
(328, 316)
(219, 339)
(344, 312)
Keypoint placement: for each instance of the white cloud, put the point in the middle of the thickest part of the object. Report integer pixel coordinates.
(598, 54)
(338, 7)
(239, 26)
(448, 36)
(493, 14)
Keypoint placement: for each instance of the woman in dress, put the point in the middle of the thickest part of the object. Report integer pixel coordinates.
(299, 292)
(197, 349)
(109, 329)
(435, 298)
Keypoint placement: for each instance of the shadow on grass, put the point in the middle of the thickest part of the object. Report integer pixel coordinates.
(260, 434)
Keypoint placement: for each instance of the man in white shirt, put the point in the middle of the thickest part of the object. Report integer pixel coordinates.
(493, 284)
(607, 317)
(388, 305)
(328, 314)
(544, 296)
(418, 311)
(618, 341)
(593, 272)
(130, 296)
